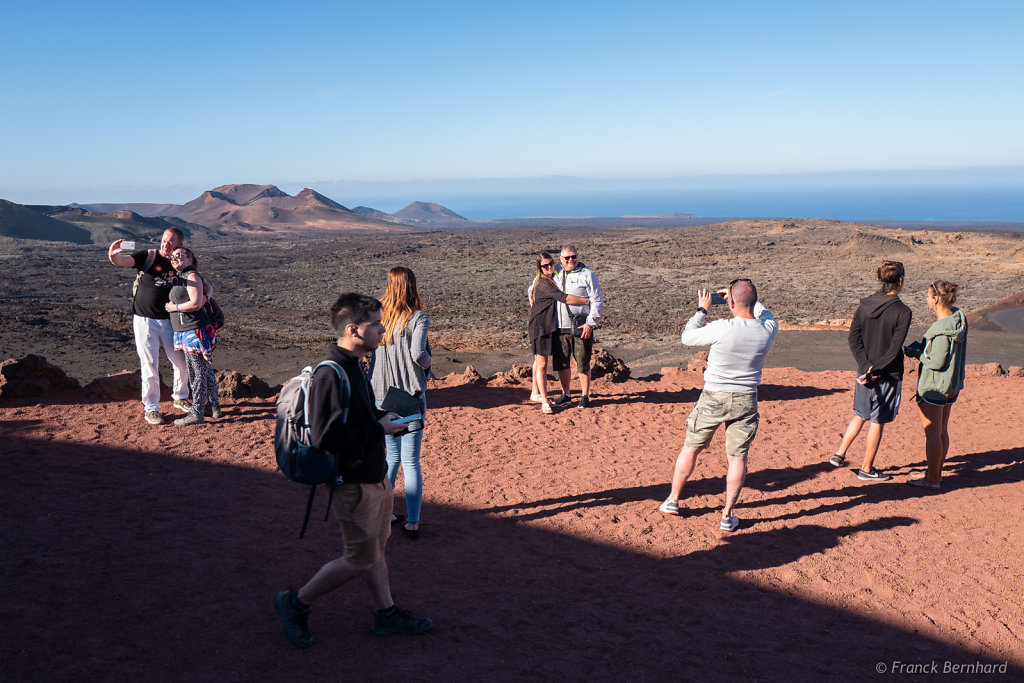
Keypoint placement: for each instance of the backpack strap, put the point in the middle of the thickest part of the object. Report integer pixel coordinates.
(343, 388)
(346, 393)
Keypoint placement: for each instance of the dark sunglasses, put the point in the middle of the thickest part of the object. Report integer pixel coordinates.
(571, 257)
(549, 264)
(178, 257)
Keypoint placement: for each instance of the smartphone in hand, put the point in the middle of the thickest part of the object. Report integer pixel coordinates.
(717, 298)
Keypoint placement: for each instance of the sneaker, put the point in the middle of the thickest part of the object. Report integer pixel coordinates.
(154, 418)
(546, 408)
(561, 401)
(729, 523)
(190, 419)
(294, 619)
(399, 621)
(837, 460)
(182, 404)
(584, 402)
(873, 475)
(670, 507)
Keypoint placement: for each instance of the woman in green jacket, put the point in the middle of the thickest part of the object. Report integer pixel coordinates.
(943, 357)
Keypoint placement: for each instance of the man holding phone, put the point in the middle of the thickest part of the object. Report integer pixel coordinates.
(150, 320)
(739, 348)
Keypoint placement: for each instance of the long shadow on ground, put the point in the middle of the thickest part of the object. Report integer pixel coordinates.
(121, 565)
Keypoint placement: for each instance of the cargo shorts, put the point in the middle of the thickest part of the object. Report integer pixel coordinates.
(364, 512)
(737, 411)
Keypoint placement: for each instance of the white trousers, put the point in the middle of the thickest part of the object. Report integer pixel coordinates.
(149, 335)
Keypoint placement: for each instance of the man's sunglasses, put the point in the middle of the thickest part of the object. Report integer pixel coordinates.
(571, 257)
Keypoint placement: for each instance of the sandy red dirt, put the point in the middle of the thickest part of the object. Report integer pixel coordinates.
(134, 552)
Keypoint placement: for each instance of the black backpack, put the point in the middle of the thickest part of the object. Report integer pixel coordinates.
(296, 457)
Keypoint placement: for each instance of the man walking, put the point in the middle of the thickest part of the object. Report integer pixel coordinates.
(363, 500)
(576, 324)
(877, 333)
(738, 351)
(151, 321)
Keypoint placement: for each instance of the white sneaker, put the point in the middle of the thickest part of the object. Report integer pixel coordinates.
(546, 408)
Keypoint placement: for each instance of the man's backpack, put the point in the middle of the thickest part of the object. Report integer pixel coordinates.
(296, 457)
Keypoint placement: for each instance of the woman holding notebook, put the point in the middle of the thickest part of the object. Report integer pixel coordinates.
(400, 365)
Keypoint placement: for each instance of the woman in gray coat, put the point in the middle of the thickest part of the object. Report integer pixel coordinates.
(402, 361)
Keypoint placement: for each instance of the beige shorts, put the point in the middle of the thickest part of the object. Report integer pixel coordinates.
(737, 411)
(364, 512)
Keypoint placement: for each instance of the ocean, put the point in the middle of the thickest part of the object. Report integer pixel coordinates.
(946, 203)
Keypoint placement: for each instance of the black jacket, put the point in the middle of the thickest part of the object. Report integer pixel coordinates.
(877, 333)
(360, 440)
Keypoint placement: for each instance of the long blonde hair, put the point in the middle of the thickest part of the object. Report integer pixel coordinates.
(399, 302)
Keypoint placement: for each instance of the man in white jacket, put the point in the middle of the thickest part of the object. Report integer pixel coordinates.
(739, 347)
(575, 338)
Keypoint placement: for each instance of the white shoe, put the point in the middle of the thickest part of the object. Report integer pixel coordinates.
(536, 398)
(546, 408)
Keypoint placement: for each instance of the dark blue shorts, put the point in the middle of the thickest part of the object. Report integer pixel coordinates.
(878, 403)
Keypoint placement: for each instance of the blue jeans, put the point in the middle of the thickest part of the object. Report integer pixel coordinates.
(404, 450)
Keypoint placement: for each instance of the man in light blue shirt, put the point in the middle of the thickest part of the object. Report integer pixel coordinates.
(739, 347)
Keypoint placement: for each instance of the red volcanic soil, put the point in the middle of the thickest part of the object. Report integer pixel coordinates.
(134, 552)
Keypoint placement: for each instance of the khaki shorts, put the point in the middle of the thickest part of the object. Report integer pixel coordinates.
(364, 512)
(737, 411)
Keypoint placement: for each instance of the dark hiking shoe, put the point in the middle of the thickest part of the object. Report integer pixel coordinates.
(561, 401)
(399, 621)
(214, 412)
(190, 419)
(294, 620)
(873, 475)
(154, 418)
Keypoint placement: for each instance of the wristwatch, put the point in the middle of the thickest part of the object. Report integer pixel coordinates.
(701, 309)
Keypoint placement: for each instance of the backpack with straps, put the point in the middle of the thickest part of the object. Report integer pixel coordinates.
(297, 458)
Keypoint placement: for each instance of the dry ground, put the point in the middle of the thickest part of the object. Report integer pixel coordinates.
(151, 553)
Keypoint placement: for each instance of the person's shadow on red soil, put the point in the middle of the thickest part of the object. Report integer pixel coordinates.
(125, 564)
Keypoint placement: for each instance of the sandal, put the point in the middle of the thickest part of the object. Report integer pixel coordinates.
(546, 408)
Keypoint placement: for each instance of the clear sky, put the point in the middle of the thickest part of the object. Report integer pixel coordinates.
(135, 101)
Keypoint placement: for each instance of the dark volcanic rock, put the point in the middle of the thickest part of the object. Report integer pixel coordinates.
(32, 376)
(604, 364)
(233, 384)
(121, 386)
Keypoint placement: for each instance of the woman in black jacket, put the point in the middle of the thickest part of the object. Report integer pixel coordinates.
(544, 322)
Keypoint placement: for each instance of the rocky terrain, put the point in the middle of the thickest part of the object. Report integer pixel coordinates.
(70, 305)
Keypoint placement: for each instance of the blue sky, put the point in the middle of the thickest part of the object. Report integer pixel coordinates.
(119, 101)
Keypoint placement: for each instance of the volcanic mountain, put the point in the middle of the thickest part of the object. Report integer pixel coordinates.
(422, 214)
(265, 208)
(17, 220)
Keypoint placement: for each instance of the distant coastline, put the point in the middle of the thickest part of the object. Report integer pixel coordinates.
(947, 204)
